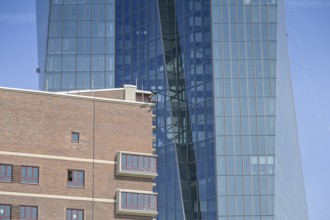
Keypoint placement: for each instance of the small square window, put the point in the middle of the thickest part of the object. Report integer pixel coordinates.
(76, 178)
(75, 137)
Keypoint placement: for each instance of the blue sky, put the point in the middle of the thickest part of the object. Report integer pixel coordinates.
(308, 27)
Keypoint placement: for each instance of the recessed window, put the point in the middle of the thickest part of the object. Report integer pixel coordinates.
(30, 175)
(138, 163)
(75, 178)
(138, 201)
(75, 137)
(6, 173)
(28, 213)
(74, 214)
(5, 212)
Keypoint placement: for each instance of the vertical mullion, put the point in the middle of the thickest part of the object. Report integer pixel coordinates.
(74, 180)
(32, 173)
(126, 199)
(25, 171)
(8, 171)
(77, 178)
(138, 163)
(74, 212)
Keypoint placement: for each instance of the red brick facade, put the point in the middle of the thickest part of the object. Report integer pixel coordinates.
(36, 131)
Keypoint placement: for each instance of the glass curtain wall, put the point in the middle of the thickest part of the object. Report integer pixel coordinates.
(81, 45)
(140, 61)
(43, 10)
(290, 200)
(244, 54)
(165, 47)
(220, 72)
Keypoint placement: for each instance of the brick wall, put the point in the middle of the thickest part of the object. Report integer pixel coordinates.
(41, 124)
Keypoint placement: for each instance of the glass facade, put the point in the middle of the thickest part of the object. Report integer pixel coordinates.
(290, 199)
(80, 45)
(225, 123)
(42, 9)
(244, 57)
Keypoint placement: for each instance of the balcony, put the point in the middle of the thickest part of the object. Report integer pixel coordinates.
(138, 203)
(136, 165)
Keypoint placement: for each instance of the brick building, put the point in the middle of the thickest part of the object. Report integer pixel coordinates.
(84, 155)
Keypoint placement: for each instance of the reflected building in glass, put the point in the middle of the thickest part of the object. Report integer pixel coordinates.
(226, 135)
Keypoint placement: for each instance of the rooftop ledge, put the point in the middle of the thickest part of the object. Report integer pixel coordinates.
(77, 94)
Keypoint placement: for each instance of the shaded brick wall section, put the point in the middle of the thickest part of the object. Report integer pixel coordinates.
(124, 127)
(43, 124)
(144, 97)
(140, 96)
(110, 94)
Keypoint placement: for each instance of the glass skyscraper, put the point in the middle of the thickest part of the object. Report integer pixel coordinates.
(226, 135)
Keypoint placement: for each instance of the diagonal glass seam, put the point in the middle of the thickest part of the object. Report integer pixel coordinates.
(175, 76)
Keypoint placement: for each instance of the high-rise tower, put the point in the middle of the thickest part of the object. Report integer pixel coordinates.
(226, 135)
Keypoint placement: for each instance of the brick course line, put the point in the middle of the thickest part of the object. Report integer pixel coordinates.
(52, 157)
(49, 196)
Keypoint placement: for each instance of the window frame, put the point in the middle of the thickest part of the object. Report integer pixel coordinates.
(77, 210)
(133, 201)
(72, 137)
(26, 179)
(3, 178)
(74, 182)
(31, 212)
(6, 217)
(143, 163)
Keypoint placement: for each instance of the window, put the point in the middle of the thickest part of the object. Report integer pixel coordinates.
(136, 164)
(75, 178)
(30, 175)
(28, 213)
(6, 173)
(75, 137)
(4, 212)
(146, 164)
(138, 201)
(74, 214)
(270, 163)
